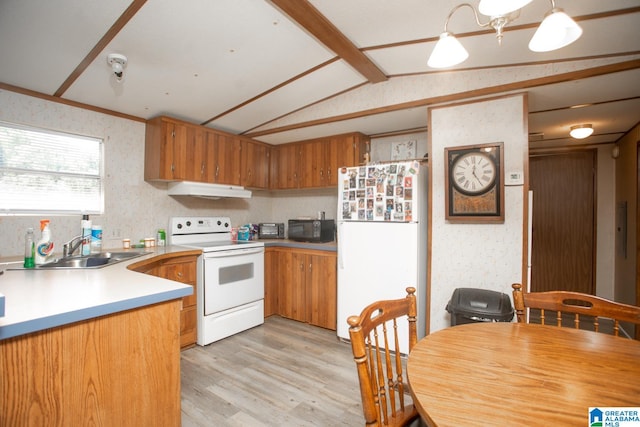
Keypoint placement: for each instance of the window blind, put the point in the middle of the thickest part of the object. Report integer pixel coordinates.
(43, 171)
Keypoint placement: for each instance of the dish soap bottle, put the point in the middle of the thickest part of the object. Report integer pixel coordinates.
(86, 236)
(44, 247)
(29, 249)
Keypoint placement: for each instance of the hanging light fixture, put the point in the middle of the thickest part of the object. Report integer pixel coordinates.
(581, 131)
(556, 30)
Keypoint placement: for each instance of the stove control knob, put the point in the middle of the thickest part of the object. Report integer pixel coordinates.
(219, 222)
(179, 226)
(226, 225)
(188, 223)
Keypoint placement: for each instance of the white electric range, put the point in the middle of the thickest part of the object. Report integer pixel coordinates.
(230, 282)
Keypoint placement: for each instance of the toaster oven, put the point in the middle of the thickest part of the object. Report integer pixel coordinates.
(271, 230)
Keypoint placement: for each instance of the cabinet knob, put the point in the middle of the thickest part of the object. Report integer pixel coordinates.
(179, 274)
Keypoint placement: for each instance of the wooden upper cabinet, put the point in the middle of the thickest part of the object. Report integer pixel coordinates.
(313, 155)
(314, 163)
(181, 151)
(223, 158)
(165, 150)
(255, 160)
(196, 154)
(228, 160)
(286, 174)
(344, 150)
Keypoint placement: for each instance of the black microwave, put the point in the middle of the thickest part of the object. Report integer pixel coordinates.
(312, 230)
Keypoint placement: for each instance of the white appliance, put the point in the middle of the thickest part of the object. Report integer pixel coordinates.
(382, 239)
(230, 282)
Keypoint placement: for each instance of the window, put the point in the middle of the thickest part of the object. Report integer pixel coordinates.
(43, 171)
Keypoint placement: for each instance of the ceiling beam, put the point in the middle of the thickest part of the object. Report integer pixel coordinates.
(461, 96)
(307, 16)
(133, 8)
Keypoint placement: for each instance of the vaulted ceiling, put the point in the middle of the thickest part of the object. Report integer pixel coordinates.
(285, 70)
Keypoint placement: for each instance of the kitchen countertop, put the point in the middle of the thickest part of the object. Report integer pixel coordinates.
(41, 299)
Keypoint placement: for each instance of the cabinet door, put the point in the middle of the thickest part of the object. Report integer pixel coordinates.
(209, 153)
(183, 270)
(343, 150)
(255, 164)
(291, 295)
(177, 151)
(227, 160)
(313, 164)
(288, 159)
(321, 290)
(196, 155)
(273, 274)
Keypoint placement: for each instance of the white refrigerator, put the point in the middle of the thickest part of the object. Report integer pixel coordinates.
(382, 239)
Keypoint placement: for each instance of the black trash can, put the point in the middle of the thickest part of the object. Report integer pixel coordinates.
(471, 305)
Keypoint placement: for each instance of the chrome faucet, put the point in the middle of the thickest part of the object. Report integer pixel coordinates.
(70, 247)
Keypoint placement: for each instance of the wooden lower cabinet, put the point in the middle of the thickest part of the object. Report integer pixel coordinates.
(180, 268)
(121, 369)
(300, 284)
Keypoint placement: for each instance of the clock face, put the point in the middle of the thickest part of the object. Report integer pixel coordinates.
(473, 173)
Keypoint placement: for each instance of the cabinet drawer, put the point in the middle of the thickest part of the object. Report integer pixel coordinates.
(182, 272)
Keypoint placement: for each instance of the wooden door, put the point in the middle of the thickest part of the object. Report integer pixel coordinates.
(273, 274)
(312, 164)
(228, 161)
(288, 159)
(209, 155)
(291, 287)
(255, 164)
(563, 236)
(321, 290)
(195, 154)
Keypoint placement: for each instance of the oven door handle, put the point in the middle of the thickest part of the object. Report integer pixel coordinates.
(232, 253)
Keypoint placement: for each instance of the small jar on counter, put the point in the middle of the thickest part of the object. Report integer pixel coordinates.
(161, 237)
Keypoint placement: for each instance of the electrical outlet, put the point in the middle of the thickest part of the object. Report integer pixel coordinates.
(116, 233)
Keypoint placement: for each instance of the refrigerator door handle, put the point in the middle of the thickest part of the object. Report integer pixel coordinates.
(340, 242)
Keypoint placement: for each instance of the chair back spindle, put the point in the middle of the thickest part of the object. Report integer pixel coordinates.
(376, 351)
(577, 304)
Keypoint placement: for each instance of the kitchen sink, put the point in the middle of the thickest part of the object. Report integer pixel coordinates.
(92, 261)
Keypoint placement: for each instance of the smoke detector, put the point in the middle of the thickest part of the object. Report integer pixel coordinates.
(118, 63)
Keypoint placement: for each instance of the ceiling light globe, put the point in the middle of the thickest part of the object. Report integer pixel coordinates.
(556, 31)
(500, 7)
(581, 131)
(447, 52)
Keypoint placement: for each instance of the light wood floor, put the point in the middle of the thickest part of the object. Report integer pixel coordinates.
(283, 373)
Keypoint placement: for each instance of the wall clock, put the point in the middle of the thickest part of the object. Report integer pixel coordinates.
(474, 182)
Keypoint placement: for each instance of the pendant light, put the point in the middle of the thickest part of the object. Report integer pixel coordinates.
(557, 30)
(500, 7)
(448, 52)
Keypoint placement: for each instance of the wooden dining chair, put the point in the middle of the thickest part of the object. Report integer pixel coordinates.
(576, 304)
(375, 346)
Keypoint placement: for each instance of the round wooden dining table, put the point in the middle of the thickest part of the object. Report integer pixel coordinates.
(514, 374)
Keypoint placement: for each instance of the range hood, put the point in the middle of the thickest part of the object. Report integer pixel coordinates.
(207, 191)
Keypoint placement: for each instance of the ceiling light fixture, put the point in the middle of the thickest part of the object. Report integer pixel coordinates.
(557, 30)
(118, 63)
(581, 131)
